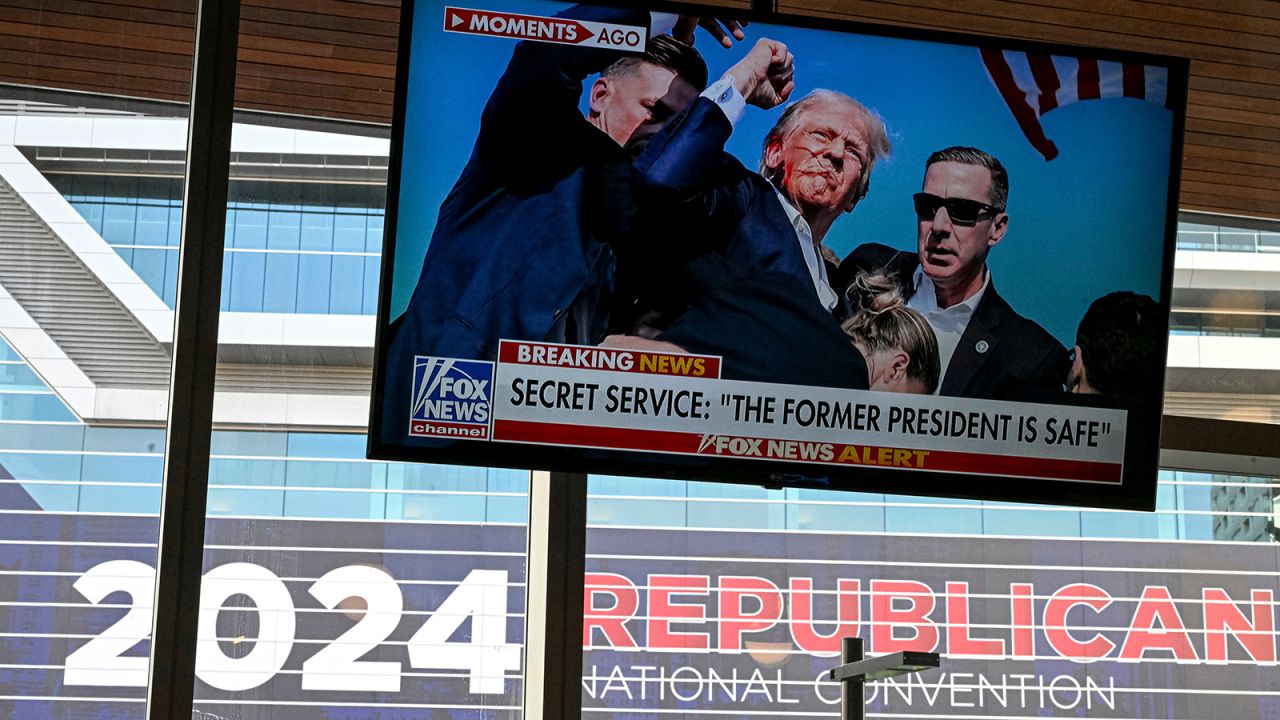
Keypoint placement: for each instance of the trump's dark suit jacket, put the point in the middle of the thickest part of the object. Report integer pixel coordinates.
(770, 328)
(736, 285)
(1001, 356)
(722, 222)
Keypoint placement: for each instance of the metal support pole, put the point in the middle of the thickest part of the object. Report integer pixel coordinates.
(554, 599)
(852, 698)
(195, 349)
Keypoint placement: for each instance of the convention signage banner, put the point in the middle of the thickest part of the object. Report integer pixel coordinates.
(793, 253)
(375, 620)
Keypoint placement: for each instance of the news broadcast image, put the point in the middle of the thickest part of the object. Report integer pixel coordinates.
(822, 256)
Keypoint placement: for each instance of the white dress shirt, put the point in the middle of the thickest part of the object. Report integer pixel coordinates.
(948, 323)
(812, 258)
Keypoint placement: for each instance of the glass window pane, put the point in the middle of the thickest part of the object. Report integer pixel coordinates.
(283, 230)
(823, 511)
(1031, 521)
(910, 515)
(153, 225)
(369, 304)
(42, 436)
(251, 229)
(25, 406)
(118, 221)
(346, 291)
(170, 293)
(317, 229)
(18, 376)
(232, 442)
(281, 283)
(129, 440)
(313, 283)
(326, 445)
(248, 280)
(150, 265)
(373, 233)
(349, 233)
(91, 212)
(174, 236)
(59, 466)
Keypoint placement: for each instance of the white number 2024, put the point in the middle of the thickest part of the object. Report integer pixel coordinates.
(482, 597)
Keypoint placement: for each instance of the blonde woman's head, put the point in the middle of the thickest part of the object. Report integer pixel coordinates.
(900, 348)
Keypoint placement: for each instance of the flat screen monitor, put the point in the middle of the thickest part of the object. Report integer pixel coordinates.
(622, 240)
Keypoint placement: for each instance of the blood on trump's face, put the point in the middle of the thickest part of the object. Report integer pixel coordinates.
(823, 156)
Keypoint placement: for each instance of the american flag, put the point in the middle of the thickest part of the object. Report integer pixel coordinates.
(1033, 83)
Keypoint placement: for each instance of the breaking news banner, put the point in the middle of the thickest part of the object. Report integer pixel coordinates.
(619, 247)
(561, 395)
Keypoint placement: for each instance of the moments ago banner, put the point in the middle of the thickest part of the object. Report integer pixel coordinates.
(643, 242)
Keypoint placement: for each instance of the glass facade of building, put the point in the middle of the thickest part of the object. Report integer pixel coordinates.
(291, 247)
(1226, 238)
(314, 248)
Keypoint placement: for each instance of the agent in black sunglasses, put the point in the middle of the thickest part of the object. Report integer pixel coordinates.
(987, 349)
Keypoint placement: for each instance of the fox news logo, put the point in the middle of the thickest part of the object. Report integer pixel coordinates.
(451, 398)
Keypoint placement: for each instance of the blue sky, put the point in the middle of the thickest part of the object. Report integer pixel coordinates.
(1089, 222)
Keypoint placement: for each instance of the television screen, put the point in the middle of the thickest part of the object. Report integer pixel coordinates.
(789, 252)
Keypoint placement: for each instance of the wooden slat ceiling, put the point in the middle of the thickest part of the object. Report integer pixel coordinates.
(336, 59)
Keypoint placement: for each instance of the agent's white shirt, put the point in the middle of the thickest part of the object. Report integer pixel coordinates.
(948, 323)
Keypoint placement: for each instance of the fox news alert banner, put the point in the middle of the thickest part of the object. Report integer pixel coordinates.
(1092, 208)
